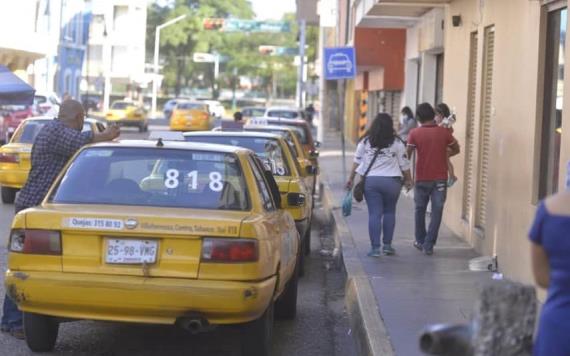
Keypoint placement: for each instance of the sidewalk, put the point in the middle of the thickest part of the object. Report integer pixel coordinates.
(412, 290)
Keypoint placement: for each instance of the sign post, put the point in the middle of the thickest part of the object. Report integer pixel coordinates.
(340, 63)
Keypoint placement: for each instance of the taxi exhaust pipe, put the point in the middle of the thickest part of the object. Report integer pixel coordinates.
(194, 325)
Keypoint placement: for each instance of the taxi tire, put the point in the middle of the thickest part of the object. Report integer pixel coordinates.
(286, 305)
(8, 195)
(307, 241)
(41, 332)
(257, 334)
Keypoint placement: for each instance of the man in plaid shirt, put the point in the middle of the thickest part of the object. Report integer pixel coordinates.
(55, 144)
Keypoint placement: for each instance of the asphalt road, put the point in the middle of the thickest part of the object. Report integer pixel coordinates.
(321, 326)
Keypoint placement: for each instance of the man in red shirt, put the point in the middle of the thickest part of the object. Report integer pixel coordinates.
(433, 144)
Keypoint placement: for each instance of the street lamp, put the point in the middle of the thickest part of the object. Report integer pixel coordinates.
(156, 49)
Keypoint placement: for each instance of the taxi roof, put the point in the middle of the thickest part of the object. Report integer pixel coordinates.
(282, 119)
(268, 127)
(171, 144)
(233, 134)
(49, 118)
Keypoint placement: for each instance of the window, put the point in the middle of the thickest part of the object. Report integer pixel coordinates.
(551, 130)
(120, 18)
(154, 177)
(439, 78)
(262, 186)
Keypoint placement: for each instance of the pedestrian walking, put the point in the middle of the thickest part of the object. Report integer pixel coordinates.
(381, 159)
(550, 254)
(54, 145)
(407, 123)
(310, 113)
(433, 145)
(444, 118)
(238, 116)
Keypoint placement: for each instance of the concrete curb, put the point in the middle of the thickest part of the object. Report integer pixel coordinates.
(366, 321)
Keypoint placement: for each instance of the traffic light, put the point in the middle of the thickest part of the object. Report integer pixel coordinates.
(213, 24)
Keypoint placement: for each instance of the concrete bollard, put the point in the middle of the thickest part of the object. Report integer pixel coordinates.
(504, 319)
(503, 324)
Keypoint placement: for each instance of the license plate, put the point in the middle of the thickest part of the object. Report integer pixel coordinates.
(127, 251)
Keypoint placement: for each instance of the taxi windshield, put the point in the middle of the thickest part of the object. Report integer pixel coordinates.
(190, 106)
(267, 149)
(286, 114)
(120, 105)
(28, 132)
(154, 177)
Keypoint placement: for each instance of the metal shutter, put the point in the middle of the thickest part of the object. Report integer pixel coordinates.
(485, 129)
(470, 129)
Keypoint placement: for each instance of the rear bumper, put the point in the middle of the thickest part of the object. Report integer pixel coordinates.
(13, 178)
(138, 299)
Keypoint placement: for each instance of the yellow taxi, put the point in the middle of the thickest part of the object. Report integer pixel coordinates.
(207, 246)
(276, 154)
(15, 156)
(308, 168)
(191, 116)
(127, 113)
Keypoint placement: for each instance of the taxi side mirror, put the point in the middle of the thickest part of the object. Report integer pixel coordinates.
(318, 144)
(314, 154)
(311, 170)
(296, 199)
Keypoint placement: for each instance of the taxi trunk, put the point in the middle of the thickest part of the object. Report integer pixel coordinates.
(190, 120)
(15, 164)
(104, 240)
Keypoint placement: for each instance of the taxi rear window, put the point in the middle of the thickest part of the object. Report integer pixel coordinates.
(268, 150)
(120, 105)
(286, 114)
(190, 106)
(29, 130)
(154, 177)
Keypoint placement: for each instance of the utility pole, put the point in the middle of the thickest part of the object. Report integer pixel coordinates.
(156, 53)
(301, 74)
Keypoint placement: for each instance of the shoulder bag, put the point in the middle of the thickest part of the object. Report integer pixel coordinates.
(358, 192)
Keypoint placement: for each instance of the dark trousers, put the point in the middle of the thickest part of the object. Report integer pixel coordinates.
(11, 315)
(436, 192)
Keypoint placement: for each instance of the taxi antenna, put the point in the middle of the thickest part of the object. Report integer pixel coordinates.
(159, 143)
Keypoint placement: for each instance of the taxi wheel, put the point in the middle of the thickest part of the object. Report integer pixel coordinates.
(8, 195)
(307, 242)
(257, 334)
(41, 332)
(286, 305)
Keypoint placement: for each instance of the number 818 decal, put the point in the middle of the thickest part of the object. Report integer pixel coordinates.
(172, 180)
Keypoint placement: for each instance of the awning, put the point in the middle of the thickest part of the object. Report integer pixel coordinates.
(13, 90)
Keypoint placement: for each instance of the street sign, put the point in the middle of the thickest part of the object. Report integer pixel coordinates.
(278, 51)
(203, 57)
(339, 63)
(239, 25)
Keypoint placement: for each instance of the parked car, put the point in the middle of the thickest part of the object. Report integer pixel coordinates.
(127, 113)
(46, 103)
(10, 118)
(284, 112)
(277, 156)
(215, 108)
(191, 116)
(253, 111)
(203, 243)
(15, 156)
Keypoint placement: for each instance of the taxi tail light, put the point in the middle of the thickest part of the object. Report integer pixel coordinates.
(9, 158)
(229, 250)
(36, 242)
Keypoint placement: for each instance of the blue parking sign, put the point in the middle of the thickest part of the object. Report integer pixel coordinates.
(339, 63)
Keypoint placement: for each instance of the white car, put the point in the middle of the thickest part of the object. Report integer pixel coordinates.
(284, 112)
(46, 103)
(215, 107)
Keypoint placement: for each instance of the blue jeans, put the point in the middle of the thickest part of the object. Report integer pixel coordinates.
(11, 315)
(381, 194)
(436, 191)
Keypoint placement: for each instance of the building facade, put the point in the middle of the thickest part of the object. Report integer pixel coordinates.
(500, 65)
(116, 51)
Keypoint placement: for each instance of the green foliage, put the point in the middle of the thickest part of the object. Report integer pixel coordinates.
(178, 43)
